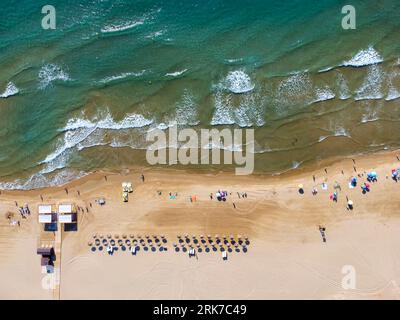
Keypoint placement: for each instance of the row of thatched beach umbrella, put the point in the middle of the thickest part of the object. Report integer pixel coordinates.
(209, 243)
(158, 243)
(152, 243)
(217, 239)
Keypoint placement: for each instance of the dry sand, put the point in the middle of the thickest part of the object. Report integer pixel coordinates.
(286, 258)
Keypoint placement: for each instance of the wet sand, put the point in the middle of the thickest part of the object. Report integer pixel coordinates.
(286, 257)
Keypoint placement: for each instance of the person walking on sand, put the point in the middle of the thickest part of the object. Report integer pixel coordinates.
(142, 177)
(234, 205)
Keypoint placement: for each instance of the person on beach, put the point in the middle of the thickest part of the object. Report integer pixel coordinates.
(349, 205)
(314, 191)
(234, 205)
(395, 174)
(142, 177)
(337, 186)
(322, 231)
(353, 182)
(334, 197)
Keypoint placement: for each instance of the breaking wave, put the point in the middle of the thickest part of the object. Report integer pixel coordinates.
(364, 58)
(11, 90)
(51, 72)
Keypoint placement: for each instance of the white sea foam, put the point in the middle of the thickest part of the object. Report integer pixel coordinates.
(221, 146)
(118, 27)
(51, 72)
(249, 113)
(71, 139)
(323, 94)
(155, 34)
(176, 74)
(238, 82)
(107, 122)
(186, 110)
(341, 132)
(393, 94)
(296, 164)
(371, 88)
(326, 69)
(223, 113)
(78, 130)
(234, 61)
(11, 90)
(122, 76)
(297, 89)
(245, 111)
(343, 88)
(363, 58)
(40, 180)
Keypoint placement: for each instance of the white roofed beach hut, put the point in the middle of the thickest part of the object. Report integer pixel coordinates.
(46, 213)
(67, 215)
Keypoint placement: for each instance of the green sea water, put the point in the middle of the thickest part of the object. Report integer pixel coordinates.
(83, 96)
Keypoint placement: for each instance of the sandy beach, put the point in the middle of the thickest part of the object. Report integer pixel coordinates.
(285, 259)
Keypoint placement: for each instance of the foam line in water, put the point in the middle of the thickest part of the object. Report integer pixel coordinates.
(51, 72)
(78, 129)
(238, 82)
(364, 58)
(122, 76)
(122, 26)
(11, 90)
(371, 88)
(176, 73)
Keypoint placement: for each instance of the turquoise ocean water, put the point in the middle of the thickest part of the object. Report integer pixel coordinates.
(82, 97)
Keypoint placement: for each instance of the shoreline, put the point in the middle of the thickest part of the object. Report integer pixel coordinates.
(286, 257)
(307, 168)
